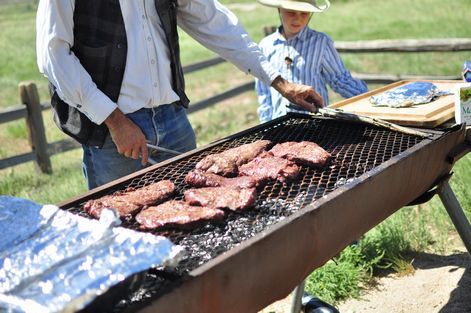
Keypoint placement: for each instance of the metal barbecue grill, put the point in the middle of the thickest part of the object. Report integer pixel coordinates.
(252, 258)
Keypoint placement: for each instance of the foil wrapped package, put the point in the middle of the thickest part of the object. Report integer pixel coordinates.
(407, 95)
(55, 261)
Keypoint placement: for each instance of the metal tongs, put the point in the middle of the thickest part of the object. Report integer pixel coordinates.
(160, 149)
(340, 114)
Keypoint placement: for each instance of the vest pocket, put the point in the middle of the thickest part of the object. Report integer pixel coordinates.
(95, 59)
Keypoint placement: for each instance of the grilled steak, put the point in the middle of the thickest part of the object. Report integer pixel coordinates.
(304, 152)
(130, 201)
(175, 213)
(198, 178)
(267, 166)
(226, 163)
(234, 199)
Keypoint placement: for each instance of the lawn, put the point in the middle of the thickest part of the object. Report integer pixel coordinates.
(389, 245)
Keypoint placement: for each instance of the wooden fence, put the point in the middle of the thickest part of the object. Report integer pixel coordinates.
(31, 108)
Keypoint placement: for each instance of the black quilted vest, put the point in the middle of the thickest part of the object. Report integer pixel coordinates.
(101, 46)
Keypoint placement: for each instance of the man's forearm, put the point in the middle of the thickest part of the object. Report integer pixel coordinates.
(279, 83)
(115, 119)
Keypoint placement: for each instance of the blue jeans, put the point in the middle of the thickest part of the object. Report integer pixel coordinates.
(166, 126)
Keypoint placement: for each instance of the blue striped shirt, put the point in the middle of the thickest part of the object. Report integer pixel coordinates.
(314, 62)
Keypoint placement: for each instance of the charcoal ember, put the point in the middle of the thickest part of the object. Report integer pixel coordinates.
(235, 199)
(267, 166)
(304, 152)
(177, 214)
(227, 163)
(198, 178)
(130, 201)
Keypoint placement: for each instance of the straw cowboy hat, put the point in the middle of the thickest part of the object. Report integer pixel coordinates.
(297, 5)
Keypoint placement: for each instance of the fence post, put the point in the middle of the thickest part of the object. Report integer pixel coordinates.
(34, 122)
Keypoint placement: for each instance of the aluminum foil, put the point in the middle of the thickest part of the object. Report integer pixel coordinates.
(55, 261)
(410, 94)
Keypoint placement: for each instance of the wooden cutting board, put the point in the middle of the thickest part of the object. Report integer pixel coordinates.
(424, 115)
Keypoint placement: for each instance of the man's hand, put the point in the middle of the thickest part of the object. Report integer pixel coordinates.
(302, 95)
(127, 136)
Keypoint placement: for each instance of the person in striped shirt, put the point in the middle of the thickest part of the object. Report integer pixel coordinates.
(302, 55)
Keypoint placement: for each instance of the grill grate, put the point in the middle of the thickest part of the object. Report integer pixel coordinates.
(356, 149)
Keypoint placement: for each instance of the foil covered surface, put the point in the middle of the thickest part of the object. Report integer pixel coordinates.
(407, 95)
(54, 261)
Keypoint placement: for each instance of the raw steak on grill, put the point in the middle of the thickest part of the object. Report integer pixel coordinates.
(267, 166)
(234, 199)
(226, 163)
(130, 201)
(198, 178)
(176, 213)
(304, 152)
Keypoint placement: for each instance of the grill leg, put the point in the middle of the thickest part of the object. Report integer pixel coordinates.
(456, 213)
(297, 296)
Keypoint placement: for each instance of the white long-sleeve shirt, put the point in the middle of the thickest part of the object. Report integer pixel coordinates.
(147, 76)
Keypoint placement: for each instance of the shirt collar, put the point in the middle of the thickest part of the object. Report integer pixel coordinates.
(301, 36)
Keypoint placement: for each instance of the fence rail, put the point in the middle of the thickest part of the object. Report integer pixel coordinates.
(405, 45)
(31, 108)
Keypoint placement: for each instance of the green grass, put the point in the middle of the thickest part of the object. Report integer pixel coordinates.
(18, 53)
(340, 278)
(25, 181)
(389, 246)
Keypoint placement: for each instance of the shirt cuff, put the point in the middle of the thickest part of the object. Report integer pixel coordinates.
(97, 107)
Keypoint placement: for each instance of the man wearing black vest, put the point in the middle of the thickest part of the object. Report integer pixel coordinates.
(116, 78)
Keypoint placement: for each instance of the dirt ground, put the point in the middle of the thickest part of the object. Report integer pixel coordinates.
(439, 284)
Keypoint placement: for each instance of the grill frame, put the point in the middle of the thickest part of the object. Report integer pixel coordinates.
(245, 278)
